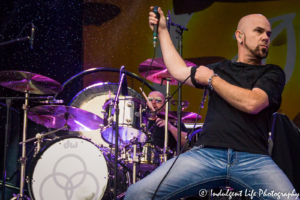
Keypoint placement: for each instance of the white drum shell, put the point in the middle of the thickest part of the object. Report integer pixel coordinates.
(71, 168)
(92, 99)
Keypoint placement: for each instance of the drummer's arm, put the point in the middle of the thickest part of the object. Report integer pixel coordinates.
(173, 130)
(173, 61)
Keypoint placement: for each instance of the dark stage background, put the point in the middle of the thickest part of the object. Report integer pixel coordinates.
(57, 52)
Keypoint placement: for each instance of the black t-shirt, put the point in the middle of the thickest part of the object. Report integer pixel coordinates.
(158, 134)
(226, 126)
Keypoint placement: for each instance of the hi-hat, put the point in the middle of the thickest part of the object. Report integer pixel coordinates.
(56, 116)
(158, 71)
(187, 117)
(26, 81)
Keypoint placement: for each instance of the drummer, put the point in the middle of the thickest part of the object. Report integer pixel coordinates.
(156, 126)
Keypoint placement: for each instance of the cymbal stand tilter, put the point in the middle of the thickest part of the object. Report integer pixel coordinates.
(40, 136)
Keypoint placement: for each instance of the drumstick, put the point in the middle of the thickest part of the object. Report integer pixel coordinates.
(108, 94)
(148, 102)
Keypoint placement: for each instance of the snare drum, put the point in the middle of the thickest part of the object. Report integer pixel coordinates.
(148, 157)
(131, 121)
(70, 168)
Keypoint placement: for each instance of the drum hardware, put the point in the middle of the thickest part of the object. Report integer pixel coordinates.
(166, 149)
(135, 158)
(158, 73)
(39, 137)
(131, 120)
(115, 108)
(27, 82)
(184, 104)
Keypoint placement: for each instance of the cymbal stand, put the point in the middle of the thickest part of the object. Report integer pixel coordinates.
(179, 30)
(7, 133)
(168, 95)
(23, 158)
(39, 137)
(116, 127)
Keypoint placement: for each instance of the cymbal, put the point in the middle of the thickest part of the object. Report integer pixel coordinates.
(158, 71)
(54, 116)
(187, 117)
(27, 81)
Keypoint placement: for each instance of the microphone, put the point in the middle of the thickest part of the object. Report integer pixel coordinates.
(155, 27)
(32, 36)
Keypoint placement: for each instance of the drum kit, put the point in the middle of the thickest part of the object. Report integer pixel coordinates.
(81, 167)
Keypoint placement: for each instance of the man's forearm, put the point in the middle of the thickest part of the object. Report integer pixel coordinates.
(173, 130)
(250, 101)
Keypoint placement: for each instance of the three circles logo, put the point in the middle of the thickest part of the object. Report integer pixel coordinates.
(66, 182)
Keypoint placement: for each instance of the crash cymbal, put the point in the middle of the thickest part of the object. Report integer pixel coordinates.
(54, 116)
(187, 117)
(27, 81)
(158, 70)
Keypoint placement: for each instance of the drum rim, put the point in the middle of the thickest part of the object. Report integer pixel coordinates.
(127, 126)
(105, 84)
(43, 150)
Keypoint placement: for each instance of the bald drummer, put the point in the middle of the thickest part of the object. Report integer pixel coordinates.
(156, 126)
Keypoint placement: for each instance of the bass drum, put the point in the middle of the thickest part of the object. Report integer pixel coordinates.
(73, 168)
(92, 99)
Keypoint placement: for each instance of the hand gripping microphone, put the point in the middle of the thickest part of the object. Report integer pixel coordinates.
(155, 27)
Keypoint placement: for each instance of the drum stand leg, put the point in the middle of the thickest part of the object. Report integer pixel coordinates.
(23, 158)
(135, 160)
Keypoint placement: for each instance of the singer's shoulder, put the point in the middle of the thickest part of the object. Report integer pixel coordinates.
(221, 63)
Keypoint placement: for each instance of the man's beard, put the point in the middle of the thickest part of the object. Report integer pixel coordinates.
(256, 52)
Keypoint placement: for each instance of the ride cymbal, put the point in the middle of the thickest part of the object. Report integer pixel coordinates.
(158, 71)
(56, 116)
(27, 81)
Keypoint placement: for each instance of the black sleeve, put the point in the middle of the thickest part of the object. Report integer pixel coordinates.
(193, 72)
(272, 82)
(183, 128)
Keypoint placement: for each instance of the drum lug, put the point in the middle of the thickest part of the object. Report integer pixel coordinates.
(137, 114)
(128, 120)
(129, 104)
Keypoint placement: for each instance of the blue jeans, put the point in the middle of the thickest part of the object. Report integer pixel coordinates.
(202, 169)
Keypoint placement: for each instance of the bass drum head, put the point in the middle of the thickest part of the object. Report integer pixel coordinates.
(68, 168)
(92, 99)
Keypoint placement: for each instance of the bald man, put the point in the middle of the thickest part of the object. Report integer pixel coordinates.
(157, 126)
(232, 148)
